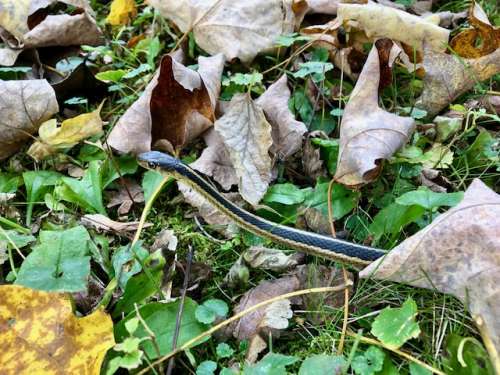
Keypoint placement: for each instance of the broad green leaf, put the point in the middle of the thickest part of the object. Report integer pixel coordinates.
(137, 71)
(466, 356)
(299, 102)
(9, 182)
(285, 194)
(206, 368)
(150, 182)
(37, 185)
(429, 199)
(416, 369)
(322, 364)
(87, 192)
(12, 236)
(59, 263)
(395, 326)
(223, 350)
(243, 79)
(315, 69)
(343, 199)
(389, 368)
(370, 362)
(127, 262)
(210, 310)
(161, 319)
(111, 75)
(481, 152)
(111, 169)
(329, 152)
(287, 40)
(270, 364)
(323, 122)
(393, 218)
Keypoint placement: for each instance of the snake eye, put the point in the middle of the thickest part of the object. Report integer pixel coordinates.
(152, 164)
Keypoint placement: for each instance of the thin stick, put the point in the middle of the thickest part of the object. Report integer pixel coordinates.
(488, 343)
(150, 333)
(409, 357)
(189, 260)
(243, 313)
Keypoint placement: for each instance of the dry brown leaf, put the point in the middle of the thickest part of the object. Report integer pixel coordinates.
(176, 107)
(215, 161)
(166, 239)
(368, 134)
(448, 76)
(238, 29)
(25, 105)
(105, 224)
(52, 30)
(128, 193)
(480, 40)
(271, 259)
(459, 254)
(378, 21)
(311, 157)
(247, 136)
(287, 132)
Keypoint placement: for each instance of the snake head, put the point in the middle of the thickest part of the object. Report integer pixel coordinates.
(156, 159)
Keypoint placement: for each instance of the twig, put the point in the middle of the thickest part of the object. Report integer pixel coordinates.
(488, 343)
(189, 260)
(226, 322)
(150, 333)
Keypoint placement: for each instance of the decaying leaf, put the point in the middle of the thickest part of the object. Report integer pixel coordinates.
(121, 12)
(237, 29)
(247, 135)
(129, 192)
(176, 107)
(105, 224)
(271, 259)
(25, 106)
(166, 239)
(71, 131)
(45, 30)
(459, 254)
(39, 333)
(448, 76)
(480, 40)
(286, 130)
(378, 21)
(368, 134)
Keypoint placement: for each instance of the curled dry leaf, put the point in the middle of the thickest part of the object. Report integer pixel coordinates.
(40, 333)
(25, 105)
(378, 21)
(129, 192)
(238, 29)
(271, 259)
(105, 224)
(166, 239)
(459, 254)
(448, 76)
(176, 107)
(368, 134)
(247, 136)
(44, 30)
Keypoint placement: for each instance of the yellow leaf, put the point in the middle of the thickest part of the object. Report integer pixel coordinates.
(72, 131)
(40, 334)
(121, 12)
(14, 16)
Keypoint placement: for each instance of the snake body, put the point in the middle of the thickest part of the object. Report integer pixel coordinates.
(307, 242)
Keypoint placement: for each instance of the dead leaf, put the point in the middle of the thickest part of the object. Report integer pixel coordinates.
(45, 30)
(176, 107)
(378, 21)
(237, 29)
(105, 224)
(54, 139)
(247, 136)
(448, 76)
(311, 157)
(287, 132)
(39, 333)
(238, 275)
(459, 254)
(25, 106)
(271, 259)
(479, 40)
(368, 134)
(166, 239)
(121, 12)
(129, 192)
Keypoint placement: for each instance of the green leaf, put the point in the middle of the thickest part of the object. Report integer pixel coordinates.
(206, 368)
(111, 75)
(210, 310)
(112, 169)
(466, 356)
(287, 40)
(393, 218)
(20, 240)
(87, 192)
(482, 151)
(150, 183)
(37, 185)
(285, 194)
(315, 69)
(224, 350)
(329, 152)
(243, 79)
(270, 364)
(161, 319)
(343, 199)
(300, 103)
(59, 263)
(389, 368)
(9, 183)
(429, 199)
(127, 262)
(416, 369)
(395, 326)
(370, 362)
(322, 364)
(227, 371)
(324, 123)
(137, 71)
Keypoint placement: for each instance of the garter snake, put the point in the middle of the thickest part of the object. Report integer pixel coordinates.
(307, 242)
